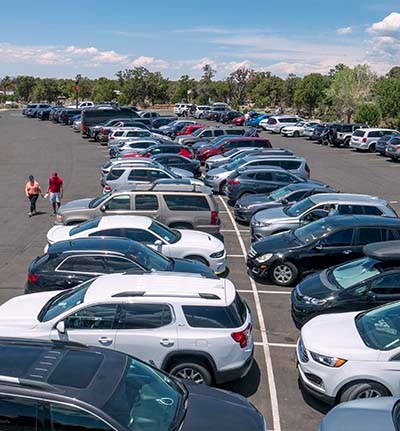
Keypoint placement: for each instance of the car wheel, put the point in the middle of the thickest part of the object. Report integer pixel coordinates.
(197, 259)
(221, 187)
(296, 134)
(363, 390)
(191, 371)
(284, 273)
(346, 143)
(371, 148)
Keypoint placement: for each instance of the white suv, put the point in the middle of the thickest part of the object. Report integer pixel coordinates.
(181, 109)
(201, 110)
(342, 357)
(125, 134)
(276, 123)
(188, 325)
(366, 139)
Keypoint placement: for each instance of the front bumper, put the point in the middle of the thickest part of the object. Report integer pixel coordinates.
(214, 184)
(258, 232)
(243, 214)
(235, 373)
(258, 269)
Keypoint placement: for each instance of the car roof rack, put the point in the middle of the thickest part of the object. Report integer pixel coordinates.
(36, 384)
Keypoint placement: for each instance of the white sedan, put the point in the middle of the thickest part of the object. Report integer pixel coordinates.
(342, 357)
(297, 130)
(180, 243)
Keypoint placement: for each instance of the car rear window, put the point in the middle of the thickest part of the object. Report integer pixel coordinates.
(232, 316)
(359, 133)
(375, 134)
(181, 202)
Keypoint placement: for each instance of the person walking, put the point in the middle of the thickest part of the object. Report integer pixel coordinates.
(32, 191)
(55, 191)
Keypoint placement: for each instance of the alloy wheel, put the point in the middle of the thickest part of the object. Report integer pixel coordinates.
(190, 374)
(282, 273)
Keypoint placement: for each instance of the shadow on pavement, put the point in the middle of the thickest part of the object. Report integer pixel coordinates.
(312, 401)
(247, 385)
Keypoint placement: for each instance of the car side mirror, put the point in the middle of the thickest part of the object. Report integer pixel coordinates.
(318, 246)
(158, 243)
(284, 202)
(103, 208)
(61, 327)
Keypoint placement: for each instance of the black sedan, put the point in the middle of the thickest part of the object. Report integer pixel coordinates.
(177, 161)
(247, 206)
(69, 263)
(357, 285)
(286, 257)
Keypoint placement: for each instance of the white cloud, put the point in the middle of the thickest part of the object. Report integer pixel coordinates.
(389, 26)
(149, 62)
(344, 30)
(199, 64)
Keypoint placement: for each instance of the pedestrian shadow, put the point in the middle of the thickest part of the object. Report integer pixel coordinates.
(38, 213)
(247, 385)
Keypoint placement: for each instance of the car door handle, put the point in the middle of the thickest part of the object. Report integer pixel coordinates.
(347, 251)
(166, 343)
(105, 340)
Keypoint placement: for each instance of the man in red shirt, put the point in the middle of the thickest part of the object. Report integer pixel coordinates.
(55, 191)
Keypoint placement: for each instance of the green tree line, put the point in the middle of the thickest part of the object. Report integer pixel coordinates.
(345, 93)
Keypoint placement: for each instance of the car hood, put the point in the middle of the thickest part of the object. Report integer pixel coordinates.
(275, 243)
(219, 158)
(182, 172)
(218, 172)
(336, 335)
(316, 286)
(200, 239)
(256, 199)
(77, 204)
(271, 215)
(208, 408)
(361, 415)
(22, 311)
(58, 233)
(186, 265)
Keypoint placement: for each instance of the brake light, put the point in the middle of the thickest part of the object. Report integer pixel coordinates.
(33, 278)
(107, 188)
(84, 127)
(308, 170)
(214, 218)
(364, 140)
(103, 131)
(242, 337)
(398, 147)
(112, 137)
(233, 181)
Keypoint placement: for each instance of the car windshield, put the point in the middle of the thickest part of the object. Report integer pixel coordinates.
(197, 132)
(86, 225)
(149, 258)
(235, 164)
(312, 231)
(64, 301)
(167, 234)
(231, 152)
(352, 273)
(380, 327)
(278, 194)
(299, 208)
(98, 201)
(147, 399)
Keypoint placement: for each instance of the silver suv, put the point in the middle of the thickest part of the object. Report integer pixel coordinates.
(208, 134)
(275, 220)
(180, 206)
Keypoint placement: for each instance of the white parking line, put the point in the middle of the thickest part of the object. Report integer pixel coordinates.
(233, 230)
(291, 346)
(393, 202)
(234, 255)
(267, 353)
(274, 292)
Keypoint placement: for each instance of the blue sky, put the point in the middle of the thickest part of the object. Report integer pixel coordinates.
(96, 38)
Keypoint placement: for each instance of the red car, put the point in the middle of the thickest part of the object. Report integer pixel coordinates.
(238, 121)
(188, 130)
(204, 153)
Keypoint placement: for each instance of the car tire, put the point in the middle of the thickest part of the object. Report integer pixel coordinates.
(371, 148)
(296, 134)
(363, 390)
(221, 187)
(192, 371)
(284, 273)
(346, 143)
(197, 259)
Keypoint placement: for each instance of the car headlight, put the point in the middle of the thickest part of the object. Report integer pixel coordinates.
(211, 177)
(264, 257)
(258, 223)
(329, 361)
(217, 254)
(59, 218)
(314, 301)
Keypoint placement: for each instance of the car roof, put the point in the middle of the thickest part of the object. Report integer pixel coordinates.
(120, 245)
(125, 221)
(192, 288)
(359, 220)
(388, 250)
(375, 129)
(246, 169)
(272, 156)
(349, 198)
(247, 138)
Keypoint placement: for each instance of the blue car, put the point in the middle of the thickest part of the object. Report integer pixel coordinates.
(384, 141)
(254, 121)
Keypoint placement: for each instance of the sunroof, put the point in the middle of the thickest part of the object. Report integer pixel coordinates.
(76, 369)
(15, 361)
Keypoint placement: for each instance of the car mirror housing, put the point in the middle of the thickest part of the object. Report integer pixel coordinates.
(318, 246)
(103, 208)
(158, 243)
(61, 327)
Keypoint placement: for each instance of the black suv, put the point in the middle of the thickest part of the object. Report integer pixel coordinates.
(287, 256)
(340, 134)
(69, 263)
(66, 386)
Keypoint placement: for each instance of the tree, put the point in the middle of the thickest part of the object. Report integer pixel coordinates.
(46, 90)
(133, 83)
(206, 88)
(104, 90)
(310, 92)
(368, 113)
(184, 85)
(237, 82)
(349, 89)
(394, 72)
(387, 93)
(25, 86)
(5, 85)
(291, 83)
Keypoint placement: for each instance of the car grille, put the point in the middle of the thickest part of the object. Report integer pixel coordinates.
(252, 253)
(303, 355)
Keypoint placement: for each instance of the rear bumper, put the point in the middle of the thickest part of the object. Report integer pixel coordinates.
(234, 373)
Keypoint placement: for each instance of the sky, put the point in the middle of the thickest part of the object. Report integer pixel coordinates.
(98, 38)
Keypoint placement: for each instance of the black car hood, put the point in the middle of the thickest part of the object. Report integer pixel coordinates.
(209, 409)
(186, 265)
(275, 243)
(314, 286)
(256, 199)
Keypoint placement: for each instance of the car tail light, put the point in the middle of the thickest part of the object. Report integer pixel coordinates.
(107, 188)
(364, 140)
(33, 278)
(308, 170)
(103, 131)
(112, 137)
(84, 127)
(242, 337)
(398, 147)
(214, 218)
(233, 181)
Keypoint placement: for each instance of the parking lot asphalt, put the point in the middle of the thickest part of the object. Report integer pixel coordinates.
(29, 146)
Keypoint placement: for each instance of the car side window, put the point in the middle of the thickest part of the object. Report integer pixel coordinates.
(119, 203)
(391, 234)
(138, 175)
(387, 284)
(297, 196)
(155, 174)
(217, 133)
(100, 316)
(68, 418)
(264, 176)
(341, 238)
(282, 177)
(350, 209)
(19, 414)
(180, 202)
(140, 235)
(367, 235)
(144, 316)
(290, 164)
(146, 203)
(88, 264)
(119, 264)
(109, 232)
(206, 134)
(370, 210)
(114, 174)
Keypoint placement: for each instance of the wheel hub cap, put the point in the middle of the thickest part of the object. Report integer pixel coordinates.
(190, 374)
